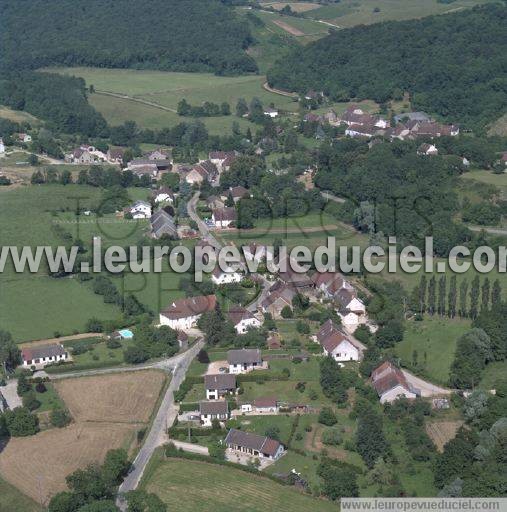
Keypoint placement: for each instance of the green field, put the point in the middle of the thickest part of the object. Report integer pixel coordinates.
(167, 89)
(437, 338)
(222, 489)
(12, 499)
(494, 374)
(349, 13)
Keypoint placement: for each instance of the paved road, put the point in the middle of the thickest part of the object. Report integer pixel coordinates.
(203, 227)
(167, 365)
(157, 435)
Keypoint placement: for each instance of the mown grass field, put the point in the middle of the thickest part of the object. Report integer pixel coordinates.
(437, 338)
(223, 489)
(167, 89)
(349, 13)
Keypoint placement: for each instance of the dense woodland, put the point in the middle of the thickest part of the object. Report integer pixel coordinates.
(452, 65)
(176, 35)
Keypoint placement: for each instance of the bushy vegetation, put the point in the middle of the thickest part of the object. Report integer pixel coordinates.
(160, 34)
(439, 60)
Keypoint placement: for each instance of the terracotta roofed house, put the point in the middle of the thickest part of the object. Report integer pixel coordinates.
(339, 345)
(182, 314)
(242, 319)
(390, 383)
(251, 444)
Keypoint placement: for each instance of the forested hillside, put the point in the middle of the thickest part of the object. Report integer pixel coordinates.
(178, 35)
(454, 65)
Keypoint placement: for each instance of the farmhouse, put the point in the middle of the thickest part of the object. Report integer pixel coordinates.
(162, 224)
(244, 360)
(329, 283)
(160, 164)
(216, 410)
(203, 171)
(219, 276)
(427, 150)
(145, 170)
(159, 154)
(390, 383)
(224, 217)
(236, 193)
(219, 385)
(43, 355)
(351, 309)
(242, 319)
(80, 156)
(182, 314)
(251, 444)
(222, 159)
(140, 210)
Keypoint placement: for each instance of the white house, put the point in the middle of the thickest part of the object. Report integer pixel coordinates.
(182, 314)
(43, 355)
(338, 345)
(351, 309)
(219, 276)
(140, 210)
(244, 360)
(427, 150)
(219, 385)
(215, 410)
(260, 447)
(390, 383)
(242, 319)
(224, 217)
(270, 112)
(24, 137)
(265, 405)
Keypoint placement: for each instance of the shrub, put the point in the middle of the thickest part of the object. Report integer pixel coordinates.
(113, 343)
(59, 418)
(40, 387)
(327, 417)
(302, 327)
(135, 355)
(203, 357)
(286, 312)
(30, 401)
(20, 422)
(301, 386)
(331, 436)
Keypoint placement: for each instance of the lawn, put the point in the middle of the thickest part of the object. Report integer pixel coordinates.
(49, 400)
(222, 489)
(435, 337)
(260, 424)
(12, 499)
(305, 465)
(18, 116)
(494, 373)
(488, 177)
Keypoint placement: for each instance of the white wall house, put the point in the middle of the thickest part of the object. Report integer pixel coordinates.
(390, 383)
(182, 314)
(243, 320)
(344, 350)
(219, 385)
(216, 410)
(219, 277)
(246, 443)
(244, 360)
(41, 356)
(140, 210)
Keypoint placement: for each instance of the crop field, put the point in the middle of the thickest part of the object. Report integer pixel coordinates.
(107, 412)
(349, 13)
(441, 432)
(166, 89)
(117, 398)
(223, 489)
(435, 337)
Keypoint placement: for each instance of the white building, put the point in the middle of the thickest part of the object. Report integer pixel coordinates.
(219, 276)
(224, 217)
(246, 443)
(2, 146)
(271, 112)
(242, 319)
(390, 383)
(41, 356)
(244, 360)
(140, 210)
(219, 385)
(163, 195)
(339, 346)
(215, 410)
(182, 314)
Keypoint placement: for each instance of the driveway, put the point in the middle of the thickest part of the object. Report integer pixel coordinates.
(427, 388)
(190, 447)
(10, 393)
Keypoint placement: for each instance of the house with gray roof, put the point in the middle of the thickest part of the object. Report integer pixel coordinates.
(215, 410)
(244, 360)
(43, 355)
(163, 224)
(261, 447)
(219, 385)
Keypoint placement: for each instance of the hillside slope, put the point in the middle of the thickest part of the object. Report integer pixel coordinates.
(453, 65)
(177, 35)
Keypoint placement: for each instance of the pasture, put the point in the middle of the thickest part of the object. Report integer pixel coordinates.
(12, 499)
(349, 13)
(107, 412)
(436, 337)
(163, 90)
(223, 489)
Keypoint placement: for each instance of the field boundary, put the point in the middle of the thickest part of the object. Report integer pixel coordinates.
(136, 100)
